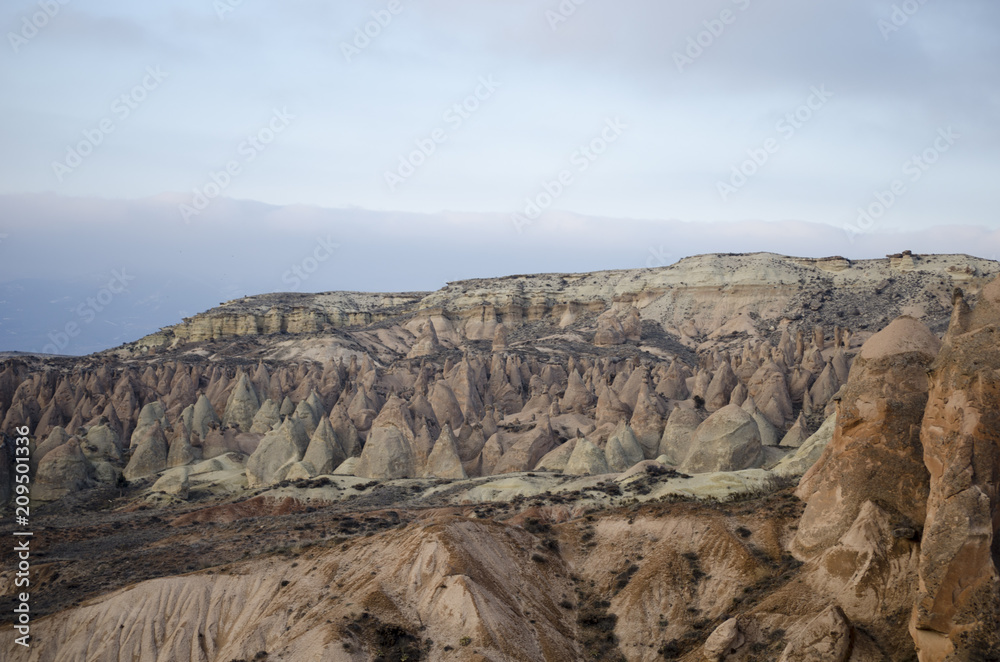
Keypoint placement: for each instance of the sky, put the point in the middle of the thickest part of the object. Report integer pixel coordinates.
(210, 147)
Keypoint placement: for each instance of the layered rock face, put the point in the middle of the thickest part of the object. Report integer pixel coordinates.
(957, 615)
(699, 298)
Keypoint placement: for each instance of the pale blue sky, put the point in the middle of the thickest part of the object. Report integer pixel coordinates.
(354, 119)
(880, 94)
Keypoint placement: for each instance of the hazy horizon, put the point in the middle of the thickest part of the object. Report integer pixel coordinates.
(310, 249)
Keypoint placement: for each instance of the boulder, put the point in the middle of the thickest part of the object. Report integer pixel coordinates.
(63, 470)
(609, 330)
(723, 641)
(827, 638)
(174, 482)
(728, 440)
(675, 444)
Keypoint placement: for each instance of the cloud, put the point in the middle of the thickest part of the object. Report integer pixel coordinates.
(67, 250)
(355, 119)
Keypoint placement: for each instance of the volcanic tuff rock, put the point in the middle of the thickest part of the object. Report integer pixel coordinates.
(149, 453)
(957, 614)
(437, 394)
(727, 440)
(62, 471)
(691, 300)
(875, 453)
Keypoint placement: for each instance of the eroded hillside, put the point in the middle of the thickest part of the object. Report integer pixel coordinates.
(735, 458)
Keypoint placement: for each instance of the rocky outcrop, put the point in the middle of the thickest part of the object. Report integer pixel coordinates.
(827, 638)
(149, 454)
(443, 461)
(769, 389)
(389, 453)
(609, 330)
(241, 406)
(324, 453)
(724, 641)
(62, 471)
(204, 417)
(266, 417)
(622, 449)
(586, 460)
(556, 460)
(875, 453)
(957, 613)
(809, 452)
(276, 453)
(678, 433)
(526, 451)
(427, 342)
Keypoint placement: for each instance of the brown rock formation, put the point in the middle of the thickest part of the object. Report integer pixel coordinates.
(609, 330)
(875, 453)
(957, 615)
